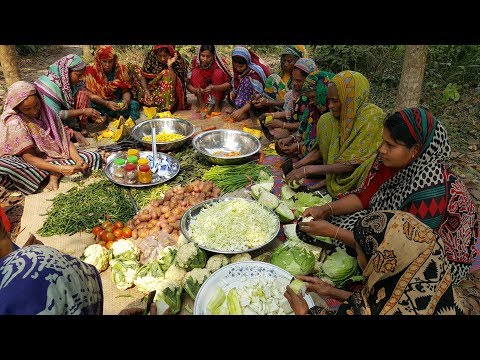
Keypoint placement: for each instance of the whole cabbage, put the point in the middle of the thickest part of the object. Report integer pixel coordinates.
(294, 259)
(340, 268)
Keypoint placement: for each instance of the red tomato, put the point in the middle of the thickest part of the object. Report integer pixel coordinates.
(105, 224)
(110, 228)
(104, 235)
(100, 235)
(110, 237)
(96, 230)
(127, 232)
(118, 233)
(118, 224)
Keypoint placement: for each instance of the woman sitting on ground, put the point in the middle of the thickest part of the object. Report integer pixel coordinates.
(410, 174)
(249, 76)
(286, 122)
(209, 78)
(405, 269)
(348, 136)
(161, 82)
(109, 83)
(34, 144)
(63, 91)
(40, 280)
(277, 85)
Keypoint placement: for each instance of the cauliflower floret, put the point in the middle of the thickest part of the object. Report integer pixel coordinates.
(182, 240)
(240, 257)
(123, 273)
(190, 256)
(149, 276)
(166, 257)
(175, 274)
(97, 256)
(168, 295)
(125, 250)
(193, 280)
(216, 262)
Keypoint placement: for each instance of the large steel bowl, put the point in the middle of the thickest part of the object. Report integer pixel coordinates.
(214, 144)
(170, 125)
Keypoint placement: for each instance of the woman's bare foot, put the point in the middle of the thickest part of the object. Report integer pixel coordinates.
(80, 139)
(53, 182)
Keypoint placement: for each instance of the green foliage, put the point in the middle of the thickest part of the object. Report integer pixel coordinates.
(451, 92)
(24, 50)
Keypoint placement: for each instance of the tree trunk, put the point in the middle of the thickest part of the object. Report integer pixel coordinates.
(87, 55)
(8, 61)
(413, 71)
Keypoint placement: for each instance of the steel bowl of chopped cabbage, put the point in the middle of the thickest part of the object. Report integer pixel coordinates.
(171, 133)
(230, 225)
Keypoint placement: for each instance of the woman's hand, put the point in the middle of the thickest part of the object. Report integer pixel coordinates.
(237, 114)
(296, 301)
(284, 142)
(275, 123)
(318, 227)
(318, 212)
(295, 175)
(69, 169)
(314, 284)
(92, 113)
(171, 60)
(80, 164)
(126, 104)
(112, 105)
(259, 101)
(207, 90)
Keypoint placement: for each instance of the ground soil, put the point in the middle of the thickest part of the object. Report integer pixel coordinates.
(464, 139)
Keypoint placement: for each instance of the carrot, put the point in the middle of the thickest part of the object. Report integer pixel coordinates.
(208, 128)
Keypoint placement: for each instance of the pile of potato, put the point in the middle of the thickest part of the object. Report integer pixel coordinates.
(165, 214)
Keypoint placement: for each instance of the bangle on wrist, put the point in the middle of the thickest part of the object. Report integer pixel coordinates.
(336, 234)
(331, 208)
(283, 126)
(61, 169)
(304, 170)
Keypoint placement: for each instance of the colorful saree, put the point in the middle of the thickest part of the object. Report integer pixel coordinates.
(355, 137)
(59, 94)
(407, 271)
(166, 94)
(277, 85)
(40, 280)
(426, 189)
(45, 134)
(251, 82)
(109, 86)
(215, 73)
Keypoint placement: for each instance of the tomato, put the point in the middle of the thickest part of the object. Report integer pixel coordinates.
(109, 244)
(110, 237)
(118, 224)
(100, 234)
(96, 230)
(103, 243)
(105, 224)
(104, 235)
(127, 232)
(110, 228)
(118, 233)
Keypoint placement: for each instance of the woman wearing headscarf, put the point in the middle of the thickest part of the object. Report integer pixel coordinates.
(410, 174)
(40, 280)
(109, 84)
(314, 101)
(63, 91)
(286, 122)
(348, 136)
(249, 76)
(34, 144)
(161, 82)
(209, 78)
(405, 269)
(277, 85)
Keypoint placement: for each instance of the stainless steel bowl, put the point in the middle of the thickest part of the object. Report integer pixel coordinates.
(223, 141)
(171, 125)
(190, 216)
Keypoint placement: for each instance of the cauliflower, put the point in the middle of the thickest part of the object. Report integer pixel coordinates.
(166, 257)
(97, 256)
(168, 295)
(123, 273)
(175, 274)
(216, 262)
(190, 256)
(193, 280)
(124, 250)
(240, 257)
(149, 276)
(182, 240)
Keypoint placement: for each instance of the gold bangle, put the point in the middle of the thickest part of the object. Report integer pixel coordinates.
(83, 111)
(304, 170)
(61, 169)
(267, 104)
(331, 208)
(336, 234)
(283, 126)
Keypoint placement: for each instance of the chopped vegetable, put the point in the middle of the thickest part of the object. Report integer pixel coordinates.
(268, 199)
(233, 303)
(298, 286)
(284, 213)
